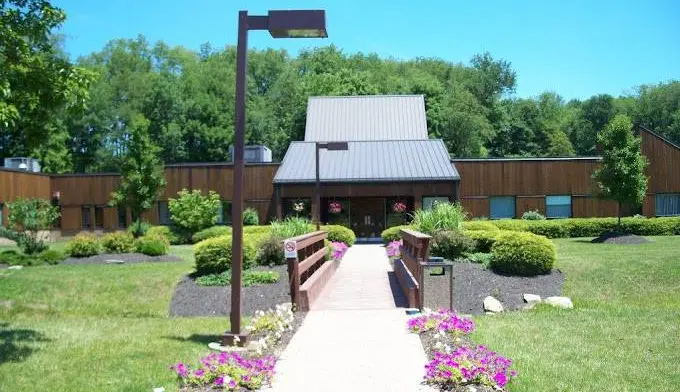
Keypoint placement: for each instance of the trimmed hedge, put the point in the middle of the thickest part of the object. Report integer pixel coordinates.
(83, 245)
(168, 232)
(451, 244)
(479, 225)
(523, 254)
(393, 233)
(483, 239)
(591, 227)
(153, 245)
(340, 234)
(211, 232)
(270, 252)
(118, 242)
(213, 255)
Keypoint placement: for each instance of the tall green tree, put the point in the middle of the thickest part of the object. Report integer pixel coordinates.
(142, 178)
(621, 177)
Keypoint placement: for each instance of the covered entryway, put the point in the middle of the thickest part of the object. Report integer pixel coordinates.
(367, 217)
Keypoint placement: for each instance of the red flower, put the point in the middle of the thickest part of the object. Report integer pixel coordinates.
(334, 207)
(399, 206)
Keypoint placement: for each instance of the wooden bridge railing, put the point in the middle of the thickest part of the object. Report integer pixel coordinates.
(415, 251)
(309, 272)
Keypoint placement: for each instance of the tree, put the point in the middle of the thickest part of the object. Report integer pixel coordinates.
(142, 172)
(192, 212)
(621, 177)
(27, 218)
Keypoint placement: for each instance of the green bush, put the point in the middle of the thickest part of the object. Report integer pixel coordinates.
(479, 258)
(13, 257)
(442, 216)
(291, 227)
(251, 217)
(170, 232)
(192, 212)
(393, 233)
(153, 245)
(270, 252)
(26, 218)
(213, 255)
(250, 278)
(524, 254)
(51, 256)
(511, 224)
(211, 232)
(265, 229)
(533, 215)
(548, 228)
(484, 240)
(340, 234)
(118, 242)
(139, 228)
(479, 225)
(451, 244)
(83, 245)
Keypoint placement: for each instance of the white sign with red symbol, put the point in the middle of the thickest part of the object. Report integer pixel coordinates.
(290, 249)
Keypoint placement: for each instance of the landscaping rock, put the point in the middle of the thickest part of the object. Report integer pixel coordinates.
(114, 262)
(492, 305)
(531, 298)
(560, 302)
(15, 267)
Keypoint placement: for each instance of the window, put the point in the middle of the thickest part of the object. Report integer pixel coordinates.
(85, 216)
(428, 202)
(501, 207)
(122, 217)
(99, 217)
(164, 213)
(558, 206)
(667, 204)
(224, 213)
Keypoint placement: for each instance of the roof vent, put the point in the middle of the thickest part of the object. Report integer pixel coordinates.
(254, 154)
(25, 164)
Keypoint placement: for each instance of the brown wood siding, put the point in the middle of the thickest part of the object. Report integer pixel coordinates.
(529, 203)
(649, 206)
(71, 218)
(257, 180)
(85, 189)
(15, 184)
(588, 206)
(476, 207)
(664, 164)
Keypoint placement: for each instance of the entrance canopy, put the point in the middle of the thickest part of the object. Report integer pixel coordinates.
(369, 161)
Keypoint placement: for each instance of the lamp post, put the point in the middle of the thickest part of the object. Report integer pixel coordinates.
(280, 24)
(332, 146)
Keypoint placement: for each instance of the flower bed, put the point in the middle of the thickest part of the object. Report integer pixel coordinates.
(455, 362)
(338, 250)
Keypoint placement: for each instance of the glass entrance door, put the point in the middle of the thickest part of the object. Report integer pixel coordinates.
(367, 216)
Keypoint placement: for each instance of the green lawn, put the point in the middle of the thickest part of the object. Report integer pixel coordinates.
(97, 327)
(623, 334)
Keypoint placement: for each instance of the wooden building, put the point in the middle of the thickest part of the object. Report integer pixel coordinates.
(389, 169)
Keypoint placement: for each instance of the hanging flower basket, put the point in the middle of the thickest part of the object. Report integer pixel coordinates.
(334, 207)
(299, 207)
(399, 206)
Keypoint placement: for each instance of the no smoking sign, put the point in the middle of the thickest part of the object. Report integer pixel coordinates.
(290, 249)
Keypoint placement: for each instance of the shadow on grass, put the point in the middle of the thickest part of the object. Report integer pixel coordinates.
(16, 344)
(398, 296)
(196, 338)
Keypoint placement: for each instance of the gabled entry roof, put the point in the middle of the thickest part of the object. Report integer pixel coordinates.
(369, 161)
(366, 117)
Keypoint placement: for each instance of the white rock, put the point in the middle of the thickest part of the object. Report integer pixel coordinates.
(560, 302)
(15, 267)
(532, 298)
(161, 389)
(493, 305)
(113, 261)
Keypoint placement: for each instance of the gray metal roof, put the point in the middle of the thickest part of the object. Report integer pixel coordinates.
(369, 161)
(366, 117)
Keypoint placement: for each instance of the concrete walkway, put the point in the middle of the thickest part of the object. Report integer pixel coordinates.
(355, 337)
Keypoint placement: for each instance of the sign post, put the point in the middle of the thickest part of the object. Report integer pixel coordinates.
(290, 252)
(290, 249)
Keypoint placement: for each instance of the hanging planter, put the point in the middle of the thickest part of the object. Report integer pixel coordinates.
(299, 207)
(334, 207)
(399, 206)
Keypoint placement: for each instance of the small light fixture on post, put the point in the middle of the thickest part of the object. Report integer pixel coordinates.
(331, 146)
(280, 24)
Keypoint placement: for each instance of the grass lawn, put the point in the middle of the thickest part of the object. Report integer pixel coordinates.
(623, 335)
(97, 327)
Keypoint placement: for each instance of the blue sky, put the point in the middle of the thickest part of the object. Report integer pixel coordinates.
(576, 48)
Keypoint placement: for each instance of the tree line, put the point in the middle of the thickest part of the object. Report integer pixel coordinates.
(82, 116)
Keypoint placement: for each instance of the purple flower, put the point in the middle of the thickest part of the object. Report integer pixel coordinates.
(219, 381)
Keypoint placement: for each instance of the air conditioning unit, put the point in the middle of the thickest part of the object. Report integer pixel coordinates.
(254, 154)
(20, 163)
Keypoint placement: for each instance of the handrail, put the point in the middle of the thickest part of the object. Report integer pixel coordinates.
(310, 252)
(415, 251)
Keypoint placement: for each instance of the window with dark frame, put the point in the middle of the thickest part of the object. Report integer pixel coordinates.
(667, 204)
(501, 207)
(85, 217)
(224, 213)
(558, 206)
(164, 213)
(99, 217)
(122, 218)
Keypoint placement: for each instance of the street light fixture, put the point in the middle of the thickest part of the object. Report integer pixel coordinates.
(280, 24)
(332, 146)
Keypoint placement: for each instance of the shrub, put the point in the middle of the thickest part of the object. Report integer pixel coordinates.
(139, 228)
(511, 224)
(550, 229)
(442, 216)
(523, 254)
(153, 245)
(214, 255)
(13, 257)
(393, 233)
(26, 218)
(51, 256)
(270, 252)
(337, 233)
(118, 242)
(168, 232)
(192, 212)
(479, 258)
(265, 229)
(484, 240)
(250, 278)
(83, 245)
(479, 225)
(533, 215)
(211, 232)
(290, 227)
(251, 217)
(451, 244)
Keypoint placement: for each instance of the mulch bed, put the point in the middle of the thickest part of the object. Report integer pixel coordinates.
(191, 300)
(473, 282)
(128, 258)
(620, 239)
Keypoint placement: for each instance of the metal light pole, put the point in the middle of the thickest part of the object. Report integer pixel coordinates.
(332, 146)
(280, 24)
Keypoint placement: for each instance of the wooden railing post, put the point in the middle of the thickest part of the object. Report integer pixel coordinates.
(294, 279)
